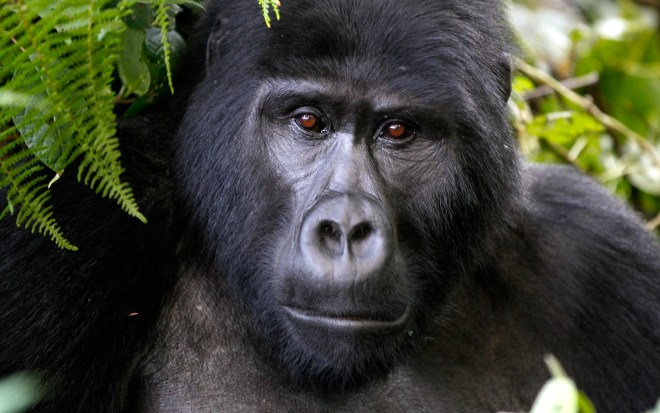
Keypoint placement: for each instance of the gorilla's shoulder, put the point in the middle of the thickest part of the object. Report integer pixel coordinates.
(570, 214)
(563, 192)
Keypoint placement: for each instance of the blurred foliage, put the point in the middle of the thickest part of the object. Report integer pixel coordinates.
(656, 409)
(21, 391)
(560, 394)
(599, 111)
(608, 52)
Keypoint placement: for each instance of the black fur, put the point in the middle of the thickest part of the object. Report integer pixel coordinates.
(495, 263)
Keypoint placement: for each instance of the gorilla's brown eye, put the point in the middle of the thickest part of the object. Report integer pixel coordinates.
(396, 131)
(310, 122)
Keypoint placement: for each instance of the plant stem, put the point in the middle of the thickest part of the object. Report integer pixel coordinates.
(588, 105)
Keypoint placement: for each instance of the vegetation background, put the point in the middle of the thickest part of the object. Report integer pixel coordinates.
(586, 93)
(603, 116)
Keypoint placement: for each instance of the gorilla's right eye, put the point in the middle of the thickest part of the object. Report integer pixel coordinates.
(310, 122)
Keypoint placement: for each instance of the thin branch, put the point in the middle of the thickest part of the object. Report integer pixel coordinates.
(587, 104)
(653, 3)
(653, 224)
(573, 83)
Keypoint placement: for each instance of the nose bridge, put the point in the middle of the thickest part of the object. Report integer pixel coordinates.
(350, 172)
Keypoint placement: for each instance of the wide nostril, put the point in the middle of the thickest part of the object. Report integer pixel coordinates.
(329, 230)
(329, 235)
(360, 232)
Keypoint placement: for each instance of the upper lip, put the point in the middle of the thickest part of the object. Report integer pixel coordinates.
(348, 321)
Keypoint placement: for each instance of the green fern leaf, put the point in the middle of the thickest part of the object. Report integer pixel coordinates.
(64, 52)
(169, 41)
(22, 175)
(265, 9)
(163, 22)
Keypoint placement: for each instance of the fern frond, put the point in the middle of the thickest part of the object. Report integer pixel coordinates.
(265, 9)
(62, 55)
(162, 21)
(22, 175)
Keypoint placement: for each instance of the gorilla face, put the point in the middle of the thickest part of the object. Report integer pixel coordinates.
(349, 167)
(345, 291)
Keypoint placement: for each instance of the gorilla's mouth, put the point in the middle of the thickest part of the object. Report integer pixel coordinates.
(348, 322)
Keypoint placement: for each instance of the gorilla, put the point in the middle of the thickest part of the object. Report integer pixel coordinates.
(339, 221)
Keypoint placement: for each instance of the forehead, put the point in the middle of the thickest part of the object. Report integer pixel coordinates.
(334, 91)
(421, 47)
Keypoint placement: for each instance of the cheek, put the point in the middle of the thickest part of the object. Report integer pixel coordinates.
(288, 159)
(424, 170)
(428, 196)
(303, 168)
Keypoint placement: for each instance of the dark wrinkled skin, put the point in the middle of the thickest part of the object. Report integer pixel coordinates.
(337, 266)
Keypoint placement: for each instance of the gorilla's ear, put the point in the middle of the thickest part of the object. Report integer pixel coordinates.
(214, 40)
(505, 70)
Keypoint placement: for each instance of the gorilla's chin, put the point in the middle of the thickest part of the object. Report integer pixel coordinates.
(342, 334)
(333, 351)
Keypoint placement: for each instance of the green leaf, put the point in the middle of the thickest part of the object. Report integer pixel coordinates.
(20, 391)
(584, 404)
(522, 84)
(154, 52)
(656, 409)
(133, 71)
(141, 17)
(558, 395)
(564, 128)
(44, 138)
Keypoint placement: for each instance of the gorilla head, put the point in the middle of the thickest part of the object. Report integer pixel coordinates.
(351, 167)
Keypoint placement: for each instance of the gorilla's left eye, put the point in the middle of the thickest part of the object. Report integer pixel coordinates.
(310, 122)
(396, 131)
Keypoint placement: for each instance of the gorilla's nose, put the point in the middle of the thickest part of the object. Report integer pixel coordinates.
(346, 238)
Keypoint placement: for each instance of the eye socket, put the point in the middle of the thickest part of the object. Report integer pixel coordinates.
(310, 122)
(396, 131)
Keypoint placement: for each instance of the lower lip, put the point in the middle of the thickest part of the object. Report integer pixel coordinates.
(347, 323)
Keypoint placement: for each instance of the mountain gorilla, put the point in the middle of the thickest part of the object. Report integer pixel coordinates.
(340, 223)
